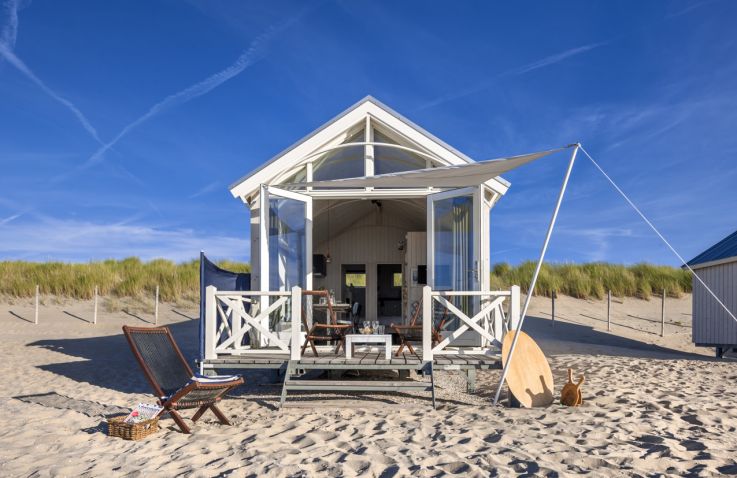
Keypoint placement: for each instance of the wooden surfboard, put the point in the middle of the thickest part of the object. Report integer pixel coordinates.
(529, 377)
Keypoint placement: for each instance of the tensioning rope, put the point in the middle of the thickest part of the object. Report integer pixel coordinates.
(655, 229)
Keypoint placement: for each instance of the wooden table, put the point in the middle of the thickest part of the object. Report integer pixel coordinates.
(339, 308)
(351, 339)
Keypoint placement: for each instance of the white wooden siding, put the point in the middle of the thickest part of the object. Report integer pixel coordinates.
(711, 323)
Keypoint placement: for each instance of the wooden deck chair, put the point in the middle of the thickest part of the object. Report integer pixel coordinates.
(174, 384)
(413, 332)
(330, 331)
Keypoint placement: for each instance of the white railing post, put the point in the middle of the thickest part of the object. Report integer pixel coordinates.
(294, 344)
(427, 323)
(514, 311)
(211, 315)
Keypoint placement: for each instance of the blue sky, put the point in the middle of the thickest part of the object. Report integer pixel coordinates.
(123, 122)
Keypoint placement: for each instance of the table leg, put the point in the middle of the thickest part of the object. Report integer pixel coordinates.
(348, 348)
(388, 350)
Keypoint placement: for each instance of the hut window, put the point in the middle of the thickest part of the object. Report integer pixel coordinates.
(392, 160)
(341, 163)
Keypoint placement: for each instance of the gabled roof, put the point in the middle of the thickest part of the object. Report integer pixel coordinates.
(368, 106)
(722, 251)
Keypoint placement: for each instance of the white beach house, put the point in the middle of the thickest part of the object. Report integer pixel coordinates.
(340, 210)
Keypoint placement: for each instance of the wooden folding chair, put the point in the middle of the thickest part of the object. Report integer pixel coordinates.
(323, 331)
(174, 384)
(413, 332)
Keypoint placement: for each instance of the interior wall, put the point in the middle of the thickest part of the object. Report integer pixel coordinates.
(364, 233)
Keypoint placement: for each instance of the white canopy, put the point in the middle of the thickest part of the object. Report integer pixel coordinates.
(457, 176)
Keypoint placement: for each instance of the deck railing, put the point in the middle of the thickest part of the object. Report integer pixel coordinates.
(490, 322)
(273, 321)
(230, 315)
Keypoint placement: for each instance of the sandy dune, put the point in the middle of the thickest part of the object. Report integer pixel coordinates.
(652, 405)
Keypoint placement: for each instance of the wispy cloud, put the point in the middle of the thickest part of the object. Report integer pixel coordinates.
(9, 32)
(74, 240)
(206, 189)
(255, 52)
(521, 70)
(7, 44)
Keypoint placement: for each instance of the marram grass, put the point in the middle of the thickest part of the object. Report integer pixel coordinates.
(594, 279)
(118, 278)
(180, 282)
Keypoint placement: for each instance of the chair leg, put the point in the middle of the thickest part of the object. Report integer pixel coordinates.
(179, 421)
(218, 413)
(401, 347)
(199, 413)
(411, 349)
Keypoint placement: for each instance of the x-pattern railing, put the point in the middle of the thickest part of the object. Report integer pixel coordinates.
(233, 314)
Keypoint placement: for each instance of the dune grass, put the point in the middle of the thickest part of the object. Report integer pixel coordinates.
(594, 279)
(118, 278)
(137, 279)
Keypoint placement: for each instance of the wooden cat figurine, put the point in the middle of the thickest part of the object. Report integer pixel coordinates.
(571, 393)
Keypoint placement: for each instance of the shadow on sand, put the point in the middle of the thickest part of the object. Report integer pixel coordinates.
(561, 338)
(107, 361)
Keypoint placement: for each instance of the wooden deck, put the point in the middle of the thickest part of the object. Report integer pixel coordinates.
(360, 360)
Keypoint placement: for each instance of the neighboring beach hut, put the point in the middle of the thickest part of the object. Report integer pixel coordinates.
(717, 267)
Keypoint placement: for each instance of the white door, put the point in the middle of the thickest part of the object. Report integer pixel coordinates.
(454, 251)
(285, 239)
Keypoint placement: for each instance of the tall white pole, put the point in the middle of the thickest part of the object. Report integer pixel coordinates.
(35, 320)
(531, 290)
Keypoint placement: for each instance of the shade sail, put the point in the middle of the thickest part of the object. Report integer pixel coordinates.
(461, 175)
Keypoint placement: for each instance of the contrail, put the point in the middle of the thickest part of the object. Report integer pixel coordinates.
(7, 42)
(254, 53)
(547, 61)
(552, 59)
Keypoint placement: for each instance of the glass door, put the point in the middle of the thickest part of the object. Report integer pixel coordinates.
(286, 239)
(453, 252)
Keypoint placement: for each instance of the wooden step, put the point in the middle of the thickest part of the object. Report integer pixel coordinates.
(358, 385)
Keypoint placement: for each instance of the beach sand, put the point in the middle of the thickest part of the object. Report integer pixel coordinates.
(652, 406)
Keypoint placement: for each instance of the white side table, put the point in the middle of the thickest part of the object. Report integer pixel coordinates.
(351, 339)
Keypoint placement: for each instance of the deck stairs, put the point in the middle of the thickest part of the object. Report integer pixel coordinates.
(294, 384)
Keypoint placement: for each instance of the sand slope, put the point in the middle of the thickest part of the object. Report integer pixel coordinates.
(652, 405)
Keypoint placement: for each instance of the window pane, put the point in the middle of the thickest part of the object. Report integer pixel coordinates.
(355, 279)
(392, 160)
(341, 163)
(453, 237)
(287, 243)
(397, 279)
(299, 176)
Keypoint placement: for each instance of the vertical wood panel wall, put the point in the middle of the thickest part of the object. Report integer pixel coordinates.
(711, 323)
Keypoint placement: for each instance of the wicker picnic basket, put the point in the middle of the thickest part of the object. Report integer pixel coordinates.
(131, 431)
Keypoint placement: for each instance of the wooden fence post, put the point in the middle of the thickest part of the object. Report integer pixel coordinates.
(35, 320)
(552, 299)
(662, 315)
(609, 310)
(94, 314)
(156, 307)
